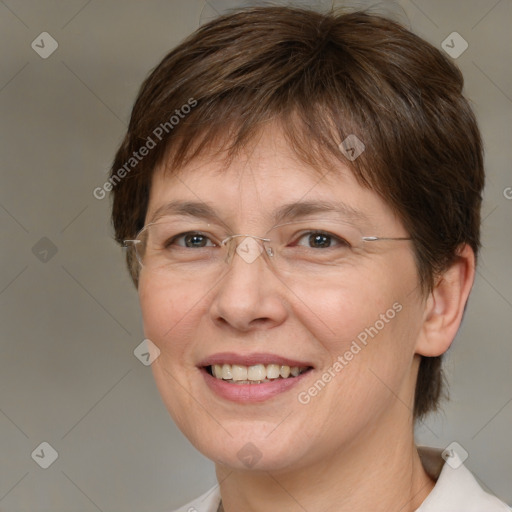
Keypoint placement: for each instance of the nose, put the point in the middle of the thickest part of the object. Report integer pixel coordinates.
(249, 295)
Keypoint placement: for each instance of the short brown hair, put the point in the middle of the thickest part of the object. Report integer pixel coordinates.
(323, 77)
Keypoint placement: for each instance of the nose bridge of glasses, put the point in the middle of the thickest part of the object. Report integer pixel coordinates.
(248, 247)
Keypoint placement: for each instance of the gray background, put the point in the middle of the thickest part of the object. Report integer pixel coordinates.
(70, 318)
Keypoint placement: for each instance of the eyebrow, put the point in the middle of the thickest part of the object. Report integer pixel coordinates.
(286, 212)
(186, 209)
(296, 210)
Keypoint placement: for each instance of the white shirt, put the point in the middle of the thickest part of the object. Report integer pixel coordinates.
(456, 490)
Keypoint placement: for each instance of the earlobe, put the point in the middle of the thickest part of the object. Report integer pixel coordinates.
(445, 305)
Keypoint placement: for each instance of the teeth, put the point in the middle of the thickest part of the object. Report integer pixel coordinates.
(256, 373)
(226, 372)
(239, 372)
(272, 371)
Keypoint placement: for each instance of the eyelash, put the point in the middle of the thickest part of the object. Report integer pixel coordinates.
(333, 237)
(172, 240)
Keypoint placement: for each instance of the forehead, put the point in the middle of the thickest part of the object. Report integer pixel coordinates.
(265, 178)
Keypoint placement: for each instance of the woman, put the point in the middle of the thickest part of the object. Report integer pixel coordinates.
(300, 196)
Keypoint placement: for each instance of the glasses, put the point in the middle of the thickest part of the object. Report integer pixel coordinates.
(312, 248)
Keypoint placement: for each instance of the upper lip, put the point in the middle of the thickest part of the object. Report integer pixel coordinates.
(252, 359)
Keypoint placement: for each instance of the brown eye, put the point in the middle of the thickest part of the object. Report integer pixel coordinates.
(320, 240)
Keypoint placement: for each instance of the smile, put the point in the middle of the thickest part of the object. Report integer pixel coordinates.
(251, 378)
(254, 374)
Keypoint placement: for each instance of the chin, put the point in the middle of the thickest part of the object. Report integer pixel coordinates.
(251, 458)
(244, 452)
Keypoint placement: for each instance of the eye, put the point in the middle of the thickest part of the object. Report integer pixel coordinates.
(321, 240)
(192, 239)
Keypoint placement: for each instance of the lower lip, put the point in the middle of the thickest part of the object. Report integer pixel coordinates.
(244, 393)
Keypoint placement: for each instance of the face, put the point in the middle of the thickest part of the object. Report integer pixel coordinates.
(349, 327)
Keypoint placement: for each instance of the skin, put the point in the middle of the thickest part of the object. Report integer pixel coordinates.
(351, 448)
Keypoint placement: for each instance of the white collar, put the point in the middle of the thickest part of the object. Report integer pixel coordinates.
(455, 489)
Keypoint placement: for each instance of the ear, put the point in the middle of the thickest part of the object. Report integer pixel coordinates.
(445, 305)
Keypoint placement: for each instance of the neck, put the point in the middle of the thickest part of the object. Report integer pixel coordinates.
(378, 473)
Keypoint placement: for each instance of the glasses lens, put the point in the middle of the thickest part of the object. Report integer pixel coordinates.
(302, 249)
(168, 246)
(311, 244)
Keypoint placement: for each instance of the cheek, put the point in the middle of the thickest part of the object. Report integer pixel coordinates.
(348, 309)
(164, 303)
(168, 313)
(366, 329)
(170, 316)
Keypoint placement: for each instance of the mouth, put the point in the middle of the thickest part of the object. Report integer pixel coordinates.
(254, 374)
(252, 378)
